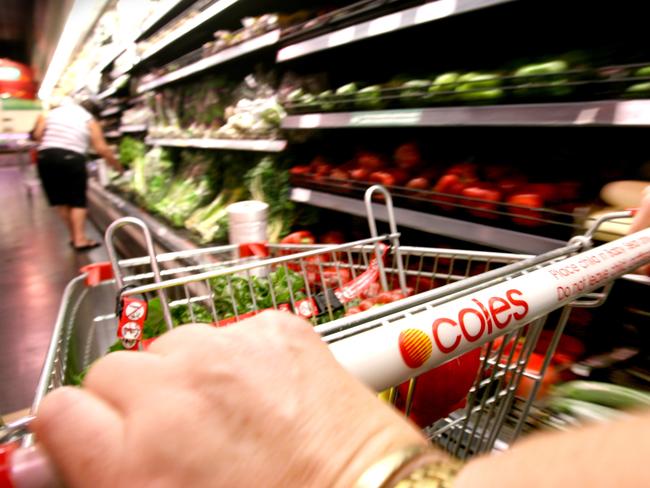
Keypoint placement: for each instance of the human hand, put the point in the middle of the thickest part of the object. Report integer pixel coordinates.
(261, 403)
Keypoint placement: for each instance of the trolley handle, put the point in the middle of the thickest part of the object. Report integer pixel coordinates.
(112, 254)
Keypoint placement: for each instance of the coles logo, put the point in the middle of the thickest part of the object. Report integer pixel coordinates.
(470, 323)
(415, 347)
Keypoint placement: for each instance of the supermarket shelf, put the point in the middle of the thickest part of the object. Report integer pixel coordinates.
(163, 234)
(110, 111)
(133, 128)
(109, 92)
(234, 144)
(110, 57)
(504, 239)
(265, 40)
(382, 25)
(604, 113)
(156, 17)
(113, 134)
(194, 23)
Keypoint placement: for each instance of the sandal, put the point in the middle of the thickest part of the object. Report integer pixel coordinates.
(87, 247)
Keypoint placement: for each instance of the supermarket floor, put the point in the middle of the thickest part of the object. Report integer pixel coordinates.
(36, 263)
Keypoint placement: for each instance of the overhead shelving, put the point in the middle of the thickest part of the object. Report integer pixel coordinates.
(200, 19)
(604, 113)
(233, 144)
(265, 40)
(382, 25)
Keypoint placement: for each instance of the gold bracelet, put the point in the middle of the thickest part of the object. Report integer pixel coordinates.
(411, 467)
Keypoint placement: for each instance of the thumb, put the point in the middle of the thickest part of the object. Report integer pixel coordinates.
(82, 435)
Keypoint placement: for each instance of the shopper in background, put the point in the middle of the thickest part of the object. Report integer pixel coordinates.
(64, 135)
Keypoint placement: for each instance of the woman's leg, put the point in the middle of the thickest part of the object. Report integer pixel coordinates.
(78, 223)
(64, 212)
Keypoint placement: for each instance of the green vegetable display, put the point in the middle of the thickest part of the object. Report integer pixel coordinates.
(191, 188)
(442, 86)
(326, 101)
(551, 75)
(269, 183)
(152, 176)
(479, 87)
(369, 98)
(414, 92)
(131, 149)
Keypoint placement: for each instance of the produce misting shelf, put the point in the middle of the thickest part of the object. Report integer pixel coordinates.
(255, 44)
(162, 12)
(113, 134)
(599, 113)
(504, 239)
(261, 145)
(112, 206)
(409, 17)
(199, 20)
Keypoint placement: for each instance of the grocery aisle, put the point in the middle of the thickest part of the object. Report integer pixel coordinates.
(36, 263)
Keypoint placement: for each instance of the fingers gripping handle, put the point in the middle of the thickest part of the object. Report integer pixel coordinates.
(26, 468)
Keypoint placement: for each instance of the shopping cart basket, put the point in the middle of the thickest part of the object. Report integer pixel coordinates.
(451, 302)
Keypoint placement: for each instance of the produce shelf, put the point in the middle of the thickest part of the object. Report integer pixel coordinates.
(234, 144)
(265, 40)
(113, 134)
(156, 17)
(133, 128)
(194, 23)
(601, 113)
(507, 240)
(114, 207)
(382, 25)
(110, 111)
(109, 92)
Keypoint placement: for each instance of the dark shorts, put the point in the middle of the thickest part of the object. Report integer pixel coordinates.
(63, 174)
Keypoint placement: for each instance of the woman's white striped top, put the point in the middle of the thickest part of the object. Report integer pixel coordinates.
(66, 127)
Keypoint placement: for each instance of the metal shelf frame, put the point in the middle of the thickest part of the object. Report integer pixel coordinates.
(261, 145)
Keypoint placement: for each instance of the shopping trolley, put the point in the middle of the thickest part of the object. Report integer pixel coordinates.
(445, 305)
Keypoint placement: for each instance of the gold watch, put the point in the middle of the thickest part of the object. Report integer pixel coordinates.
(412, 467)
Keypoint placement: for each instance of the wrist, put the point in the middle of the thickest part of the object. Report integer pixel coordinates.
(411, 467)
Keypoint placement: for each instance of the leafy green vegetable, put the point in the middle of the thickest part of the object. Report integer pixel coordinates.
(234, 293)
(268, 182)
(131, 149)
(152, 175)
(190, 189)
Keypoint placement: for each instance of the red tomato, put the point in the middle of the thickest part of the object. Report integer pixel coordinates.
(300, 170)
(464, 170)
(383, 178)
(367, 303)
(385, 297)
(332, 237)
(419, 184)
(360, 174)
(549, 192)
(352, 311)
(373, 290)
(400, 176)
(340, 174)
(489, 200)
(508, 186)
(370, 161)
(450, 184)
(442, 390)
(524, 216)
(317, 163)
(407, 156)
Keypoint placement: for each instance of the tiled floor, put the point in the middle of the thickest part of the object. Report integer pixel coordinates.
(36, 263)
